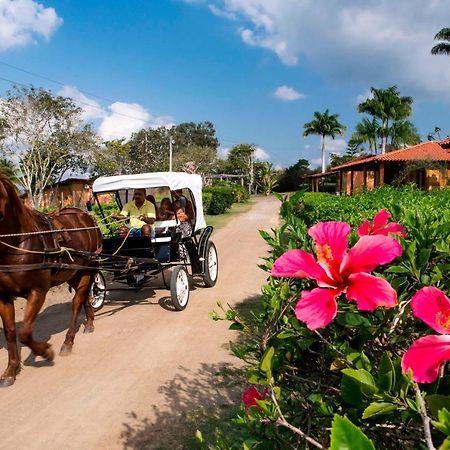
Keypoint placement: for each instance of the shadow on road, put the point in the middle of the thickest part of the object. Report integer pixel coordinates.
(204, 399)
(193, 400)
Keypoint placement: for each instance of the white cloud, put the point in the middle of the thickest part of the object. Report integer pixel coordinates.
(221, 13)
(223, 152)
(363, 97)
(261, 154)
(288, 94)
(336, 145)
(376, 42)
(22, 21)
(91, 108)
(118, 120)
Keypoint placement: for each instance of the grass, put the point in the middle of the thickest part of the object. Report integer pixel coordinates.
(221, 220)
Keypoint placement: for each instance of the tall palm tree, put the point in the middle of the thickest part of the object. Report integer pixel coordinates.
(367, 131)
(403, 132)
(442, 48)
(9, 169)
(324, 124)
(388, 106)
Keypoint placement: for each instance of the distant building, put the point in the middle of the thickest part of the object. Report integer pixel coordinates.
(426, 164)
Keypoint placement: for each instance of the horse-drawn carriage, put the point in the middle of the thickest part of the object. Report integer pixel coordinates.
(182, 250)
(39, 251)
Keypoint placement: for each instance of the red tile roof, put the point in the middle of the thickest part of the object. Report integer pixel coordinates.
(425, 151)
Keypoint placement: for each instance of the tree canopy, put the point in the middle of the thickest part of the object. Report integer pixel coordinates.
(45, 135)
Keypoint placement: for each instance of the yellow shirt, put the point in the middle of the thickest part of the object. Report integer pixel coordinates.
(130, 209)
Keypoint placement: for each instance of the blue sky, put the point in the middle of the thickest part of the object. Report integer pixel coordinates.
(258, 69)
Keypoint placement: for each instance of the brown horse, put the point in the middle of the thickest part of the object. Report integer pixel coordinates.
(31, 262)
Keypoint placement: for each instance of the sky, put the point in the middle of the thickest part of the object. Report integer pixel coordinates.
(257, 69)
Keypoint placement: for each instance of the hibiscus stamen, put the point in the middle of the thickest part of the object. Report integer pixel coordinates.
(324, 253)
(443, 320)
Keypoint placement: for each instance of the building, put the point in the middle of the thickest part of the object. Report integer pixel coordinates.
(426, 164)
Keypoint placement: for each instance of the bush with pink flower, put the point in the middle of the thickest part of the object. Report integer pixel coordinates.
(351, 344)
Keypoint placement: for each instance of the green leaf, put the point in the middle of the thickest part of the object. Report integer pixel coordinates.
(437, 402)
(254, 376)
(377, 409)
(397, 269)
(364, 379)
(285, 334)
(266, 361)
(386, 373)
(350, 391)
(445, 445)
(346, 436)
(236, 326)
(443, 424)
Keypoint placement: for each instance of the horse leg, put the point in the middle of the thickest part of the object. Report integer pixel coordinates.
(81, 284)
(9, 327)
(89, 311)
(34, 304)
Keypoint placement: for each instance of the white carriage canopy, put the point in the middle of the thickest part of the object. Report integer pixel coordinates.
(172, 180)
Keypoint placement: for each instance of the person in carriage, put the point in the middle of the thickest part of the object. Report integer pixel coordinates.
(142, 215)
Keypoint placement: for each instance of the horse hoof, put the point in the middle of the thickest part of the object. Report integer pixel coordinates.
(89, 328)
(66, 350)
(6, 381)
(49, 354)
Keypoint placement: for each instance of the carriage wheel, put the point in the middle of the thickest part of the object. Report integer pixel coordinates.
(211, 265)
(97, 293)
(179, 288)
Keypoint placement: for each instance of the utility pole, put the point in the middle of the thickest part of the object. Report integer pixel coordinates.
(250, 187)
(170, 153)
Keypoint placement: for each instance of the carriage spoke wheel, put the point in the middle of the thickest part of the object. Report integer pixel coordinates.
(179, 288)
(97, 293)
(211, 265)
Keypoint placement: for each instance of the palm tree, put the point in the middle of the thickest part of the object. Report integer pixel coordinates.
(9, 169)
(324, 125)
(443, 48)
(388, 106)
(403, 132)
(367, 131)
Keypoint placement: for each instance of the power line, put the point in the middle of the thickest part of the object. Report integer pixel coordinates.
(230, 140)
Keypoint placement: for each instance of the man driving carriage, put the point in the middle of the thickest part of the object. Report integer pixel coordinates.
(142, 215)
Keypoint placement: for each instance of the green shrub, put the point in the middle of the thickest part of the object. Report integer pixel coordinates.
(240, 193)
(206, 198)
(222, 198)
(346, 376)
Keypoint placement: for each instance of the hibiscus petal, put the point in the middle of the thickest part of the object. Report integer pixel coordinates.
(299, 264)
(392, 228)
(370, 252)
(317, 308)
(380, 219)
(370, 292)
(425, 357)
(333, 234)
(363, 229)
(432, 306)
(250, 396)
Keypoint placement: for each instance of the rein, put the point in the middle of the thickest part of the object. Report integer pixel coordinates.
(34, 233)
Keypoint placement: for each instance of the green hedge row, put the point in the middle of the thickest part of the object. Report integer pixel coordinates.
(218, 199)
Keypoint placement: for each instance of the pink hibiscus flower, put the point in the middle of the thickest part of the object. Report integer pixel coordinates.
(426, 354)
(339, 272)
(380, 225)
(250, 396)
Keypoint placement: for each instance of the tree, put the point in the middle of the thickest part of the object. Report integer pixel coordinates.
(442, 48)
(45, 134)
(388, 106)
(240, 161)
(112, 159)
(9, 169)
(266, 177)
(294, 176)
(366, 131)
(403, 132)
(195, 159)
(324, 125)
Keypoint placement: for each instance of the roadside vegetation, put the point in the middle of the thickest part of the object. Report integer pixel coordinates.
(348, 346)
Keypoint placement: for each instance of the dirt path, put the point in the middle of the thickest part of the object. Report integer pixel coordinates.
(145, 369)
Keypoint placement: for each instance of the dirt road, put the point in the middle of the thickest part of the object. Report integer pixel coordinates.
(144, 369)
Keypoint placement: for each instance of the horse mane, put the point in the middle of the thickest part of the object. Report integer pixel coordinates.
(25, 216)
